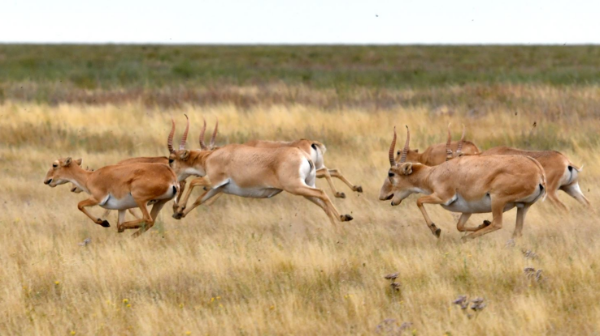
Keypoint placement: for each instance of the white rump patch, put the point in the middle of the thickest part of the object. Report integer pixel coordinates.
(308, 173)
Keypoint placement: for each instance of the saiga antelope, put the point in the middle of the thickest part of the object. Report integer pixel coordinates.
(467, 184)
(248, 172)
(145, 159)
(560, 172)
(119, 187)
(150, 159)
(440, 153)
(314, 149)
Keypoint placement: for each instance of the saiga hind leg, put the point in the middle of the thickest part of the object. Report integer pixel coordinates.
(462, 221)
(521, 212)
(328, 207)
(153, 214)
(324, 173)
(497, 211)
(137, 223)
(575, 191)
(337, 174)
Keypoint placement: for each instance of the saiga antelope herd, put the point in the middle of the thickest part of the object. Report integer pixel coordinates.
(455, 175)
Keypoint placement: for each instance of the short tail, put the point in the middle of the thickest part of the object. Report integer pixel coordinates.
(176, 189)
(575, 167)
(543, 181)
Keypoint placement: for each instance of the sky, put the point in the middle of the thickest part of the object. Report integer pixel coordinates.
(300, 22)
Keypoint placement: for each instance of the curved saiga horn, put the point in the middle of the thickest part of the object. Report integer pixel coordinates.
(406, 146)
(202, 144)
(460, 143)
(214, 136)
(448, 143)
(185, 134)
(392, 147)
(170, 138)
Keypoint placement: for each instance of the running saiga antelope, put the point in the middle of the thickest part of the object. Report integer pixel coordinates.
(314, 149)
(468, 184)
(157, 159)
(151, 159)
(119, 187)
(560, 172)
(248, 172)
(440, 153)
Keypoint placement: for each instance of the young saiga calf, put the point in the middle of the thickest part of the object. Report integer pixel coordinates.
(119, 187)
(468, 184)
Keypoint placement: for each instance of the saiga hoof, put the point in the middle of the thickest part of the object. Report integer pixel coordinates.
(358, 189)
(104, 223)
(178, 215)
(340, 195)
(436, 231)
(485, 224)
(347, 218)
(120, 228)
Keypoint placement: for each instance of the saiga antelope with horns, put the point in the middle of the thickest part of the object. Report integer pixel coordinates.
(440, 153)
(468, 184)
(560, 172)
(119, 187)
(314, 149)
(248, 172)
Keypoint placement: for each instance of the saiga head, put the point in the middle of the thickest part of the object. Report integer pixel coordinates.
(61, 171)
(397, 186)
(182, 161)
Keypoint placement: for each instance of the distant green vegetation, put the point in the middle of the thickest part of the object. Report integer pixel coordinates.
(164, 75)
(119, 66)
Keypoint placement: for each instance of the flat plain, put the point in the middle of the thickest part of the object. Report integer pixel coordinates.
(277, 266)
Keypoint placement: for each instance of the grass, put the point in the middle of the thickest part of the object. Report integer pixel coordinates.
(276, 266)
(206, 75)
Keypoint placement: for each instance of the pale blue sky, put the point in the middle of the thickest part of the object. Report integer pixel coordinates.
(300, 22)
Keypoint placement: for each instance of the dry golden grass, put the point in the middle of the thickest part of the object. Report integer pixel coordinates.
(277, 266)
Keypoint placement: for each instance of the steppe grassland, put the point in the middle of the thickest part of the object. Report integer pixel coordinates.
(277, 266)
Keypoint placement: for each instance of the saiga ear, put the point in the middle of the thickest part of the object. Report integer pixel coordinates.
(406, 168)
(79, 161)
(184, 156)
(67, 162)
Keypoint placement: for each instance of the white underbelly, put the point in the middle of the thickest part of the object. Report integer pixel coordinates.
(256, 192)
(127, 202)
(113, 203)
(483, 205)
